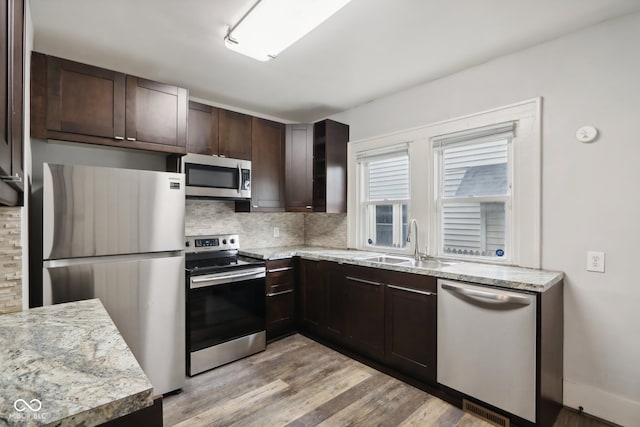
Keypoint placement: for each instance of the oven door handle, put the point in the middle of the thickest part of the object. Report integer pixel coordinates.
(221, 279)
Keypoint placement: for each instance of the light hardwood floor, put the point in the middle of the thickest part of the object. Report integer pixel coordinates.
(298, 382)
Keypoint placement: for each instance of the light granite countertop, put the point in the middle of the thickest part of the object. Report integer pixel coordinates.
(528, 279)
(67, 365)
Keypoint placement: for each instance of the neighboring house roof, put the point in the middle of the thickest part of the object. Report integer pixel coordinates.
(483, 181)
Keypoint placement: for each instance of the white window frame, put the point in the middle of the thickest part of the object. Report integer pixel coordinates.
(473, 135)
(368, 216)
(527, 177)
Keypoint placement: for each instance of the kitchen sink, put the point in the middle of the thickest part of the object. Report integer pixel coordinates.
(428, 263)
(388, 259)
(408, 261)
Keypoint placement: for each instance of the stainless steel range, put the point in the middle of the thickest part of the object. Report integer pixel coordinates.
(225, 302)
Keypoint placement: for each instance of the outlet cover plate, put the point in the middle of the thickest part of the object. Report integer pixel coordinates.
(595, 261)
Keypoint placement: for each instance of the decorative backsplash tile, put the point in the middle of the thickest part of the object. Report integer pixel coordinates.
(256, 230)
(328, 230)
(10, 260)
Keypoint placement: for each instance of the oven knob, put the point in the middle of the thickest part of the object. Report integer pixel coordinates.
(224, 242)
(187, 243)
(232, 241)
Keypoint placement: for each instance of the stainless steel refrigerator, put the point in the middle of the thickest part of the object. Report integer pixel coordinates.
(117, 235)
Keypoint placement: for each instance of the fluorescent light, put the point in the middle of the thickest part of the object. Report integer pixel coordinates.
(271, 26)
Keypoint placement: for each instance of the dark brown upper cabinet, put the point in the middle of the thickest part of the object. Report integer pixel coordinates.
(330, 166)
(11, 101)
(203, 129)
(71, 101)
(267, 167)
(156, 112)
(86, 100)
(299, 167)
(235, 135)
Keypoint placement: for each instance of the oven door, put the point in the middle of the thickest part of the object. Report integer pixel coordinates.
(224, 310)
(217, 177)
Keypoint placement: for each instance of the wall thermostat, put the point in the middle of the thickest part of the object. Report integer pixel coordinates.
(587, 134)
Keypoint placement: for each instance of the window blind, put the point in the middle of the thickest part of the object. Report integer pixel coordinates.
(389, 178)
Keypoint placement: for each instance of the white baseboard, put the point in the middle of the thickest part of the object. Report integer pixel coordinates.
(602, 404)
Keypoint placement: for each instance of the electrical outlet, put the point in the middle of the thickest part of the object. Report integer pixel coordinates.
(276, 231)
(595, 261)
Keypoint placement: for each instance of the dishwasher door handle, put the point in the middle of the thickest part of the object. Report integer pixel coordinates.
(474, 293)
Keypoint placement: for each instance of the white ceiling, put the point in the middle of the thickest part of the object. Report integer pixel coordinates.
(369, 49)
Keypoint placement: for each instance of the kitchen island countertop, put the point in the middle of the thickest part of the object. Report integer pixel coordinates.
(502, 276)
(65, 365)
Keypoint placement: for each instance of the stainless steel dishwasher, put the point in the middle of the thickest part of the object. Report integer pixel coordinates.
(487, 345)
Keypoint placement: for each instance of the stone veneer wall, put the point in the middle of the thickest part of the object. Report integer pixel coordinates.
(256, 229)
(10, 260)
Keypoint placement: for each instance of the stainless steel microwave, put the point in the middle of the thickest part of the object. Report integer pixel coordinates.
(217, 177)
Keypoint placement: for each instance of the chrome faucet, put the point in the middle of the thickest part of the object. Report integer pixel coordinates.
(416, 252)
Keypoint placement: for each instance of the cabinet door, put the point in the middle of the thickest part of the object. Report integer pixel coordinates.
(365, 319)
(17, 98)
(156, 112)
(299, 167)
(411, 325)
(235, 135)
(5, 138)
(337, 300)
(312, 286)
(280, 313)
(202, 137)
(267, 167)
(87, 100)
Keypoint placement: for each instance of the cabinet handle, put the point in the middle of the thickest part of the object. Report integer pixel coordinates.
(367, 282)
(415, 291)
(119, 138)
(308, 207)
(275, 270)
(275, 294)
(11, 178)
(255, 206)
(487, 295)
(130, 139)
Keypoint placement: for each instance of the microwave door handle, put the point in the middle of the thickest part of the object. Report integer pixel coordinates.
(239, 179)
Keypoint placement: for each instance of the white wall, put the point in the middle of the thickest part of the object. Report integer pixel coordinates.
(589, 191)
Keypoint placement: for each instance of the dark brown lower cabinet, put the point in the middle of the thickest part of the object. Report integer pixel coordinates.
(281, 302)
(337, 303)
(311, 295)
(365, 316)
(410, 323)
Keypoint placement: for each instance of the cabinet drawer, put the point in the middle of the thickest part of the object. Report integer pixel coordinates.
(280, 276)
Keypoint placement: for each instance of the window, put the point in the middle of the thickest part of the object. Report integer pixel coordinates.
(385, 197)
(473, 193)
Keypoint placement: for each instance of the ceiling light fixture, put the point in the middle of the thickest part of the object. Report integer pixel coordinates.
(271, 26)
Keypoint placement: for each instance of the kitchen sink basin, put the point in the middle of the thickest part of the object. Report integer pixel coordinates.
(428, 263)
(408, 261)
(387, 259)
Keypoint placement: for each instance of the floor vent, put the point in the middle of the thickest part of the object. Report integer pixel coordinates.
(485, 414)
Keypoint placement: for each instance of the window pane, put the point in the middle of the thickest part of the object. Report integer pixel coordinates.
(476, 229)
(387, 225)
(384, 225)
(405, 229)
(475, 169)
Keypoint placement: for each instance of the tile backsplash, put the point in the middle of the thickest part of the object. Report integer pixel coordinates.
(256, 230)
(10, 260)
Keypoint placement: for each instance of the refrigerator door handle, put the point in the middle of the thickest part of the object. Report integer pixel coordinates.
(473, 293)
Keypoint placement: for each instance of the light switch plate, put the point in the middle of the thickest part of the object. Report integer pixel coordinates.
(595, 261)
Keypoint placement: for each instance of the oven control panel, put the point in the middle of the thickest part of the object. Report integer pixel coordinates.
(211, 243)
